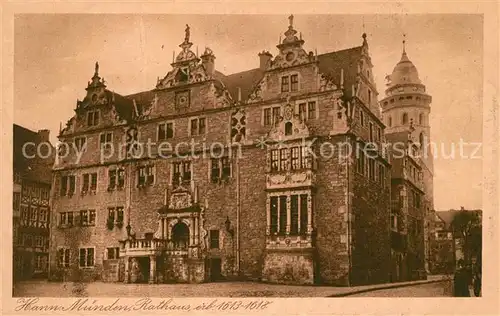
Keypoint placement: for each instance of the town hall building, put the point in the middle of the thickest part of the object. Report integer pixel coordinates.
(282, 198)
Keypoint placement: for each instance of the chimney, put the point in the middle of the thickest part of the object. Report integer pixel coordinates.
(44, 135)
(265, 59)
(208, 61)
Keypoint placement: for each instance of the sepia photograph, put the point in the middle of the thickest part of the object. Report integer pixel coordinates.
(245, 156)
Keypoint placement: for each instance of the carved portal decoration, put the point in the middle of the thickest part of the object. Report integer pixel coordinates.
(180, 199)
(238, 126)
(289, 126)
(289, 180)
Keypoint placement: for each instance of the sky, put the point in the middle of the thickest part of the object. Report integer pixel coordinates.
(54, 57)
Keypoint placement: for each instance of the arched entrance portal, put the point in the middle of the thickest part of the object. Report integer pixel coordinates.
(180, 236)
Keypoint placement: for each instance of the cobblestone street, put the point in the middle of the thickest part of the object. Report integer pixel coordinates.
(222, 289)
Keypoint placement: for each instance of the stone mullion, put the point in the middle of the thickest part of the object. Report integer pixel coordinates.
(268, 215)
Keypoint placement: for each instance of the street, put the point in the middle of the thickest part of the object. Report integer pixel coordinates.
(436, 289)
(223, 289)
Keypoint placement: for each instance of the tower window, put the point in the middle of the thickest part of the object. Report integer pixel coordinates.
(421, 119)
(369, 97)
(405, 119)
(389, 122)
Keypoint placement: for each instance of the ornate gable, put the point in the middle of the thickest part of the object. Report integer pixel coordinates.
(187, 68)
(291, 51)
(289, 125)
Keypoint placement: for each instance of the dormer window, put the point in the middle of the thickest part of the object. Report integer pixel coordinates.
(92, 118)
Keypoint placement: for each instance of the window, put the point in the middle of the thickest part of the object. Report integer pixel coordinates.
(86, 258)
(379, 134)
(362, 117)
(360, 161)
(92, 118)
(116, 178)
(371, 132)
(113, 253)
(394, 222)
(145, 175)
(294, 213)
(276, 115)
(43, 216)
(24, 212)
(369, 97)
(311, 110)
(267, 116)
(371, 169)
(198, 126)
(389, 122)
(63, 257)
(89, 182)
(27, 240)
(404, 119)
(165, 131)
(295, 158)
(284, 154)
(294, 79)
(105, 140)
(181, 172)
(16, 201)
(72, 185)
(274, 214)
(381, 175)
(282, 214)
(87, 218)
(285, 85)
(220, 169)
(38, 241)
(64, 185)
(303, 111)
(298, 214)
(288, 128)
(34, 212)
(17, 177)
(80, 143)
(66, 219)
(214, 239)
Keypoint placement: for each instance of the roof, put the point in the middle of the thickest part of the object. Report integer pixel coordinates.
(332, 63)
(38, 168)
(447, 216)
(245, 80)
(404, 72)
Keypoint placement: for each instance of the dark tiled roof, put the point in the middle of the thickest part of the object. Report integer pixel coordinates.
(447, 216)
(245, 80)
(123, 105)
(35, 169)
(332, 63)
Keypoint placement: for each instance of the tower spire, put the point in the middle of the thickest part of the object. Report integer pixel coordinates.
(404, 43)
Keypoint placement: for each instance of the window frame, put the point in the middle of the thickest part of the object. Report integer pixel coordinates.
(86, 256)
(165, 129)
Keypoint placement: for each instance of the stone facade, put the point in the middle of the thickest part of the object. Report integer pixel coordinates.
(286, 201)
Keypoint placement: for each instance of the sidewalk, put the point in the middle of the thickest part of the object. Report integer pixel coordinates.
(222, 289)
(367, 288)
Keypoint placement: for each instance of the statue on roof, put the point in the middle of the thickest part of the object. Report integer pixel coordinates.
(290, 19)
(186, 38)
(96, 72)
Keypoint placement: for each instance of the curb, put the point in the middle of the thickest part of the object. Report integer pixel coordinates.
(385, 287)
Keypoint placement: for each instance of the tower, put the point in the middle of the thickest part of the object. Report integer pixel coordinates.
(406, 106)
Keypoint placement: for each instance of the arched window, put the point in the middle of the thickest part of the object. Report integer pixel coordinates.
(288, 128)
(405, 119)
(421, 119)
(389, 121)
(180, 236)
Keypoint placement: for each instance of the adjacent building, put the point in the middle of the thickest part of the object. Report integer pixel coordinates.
(33, 158)
(406, 109)
(281, 197)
